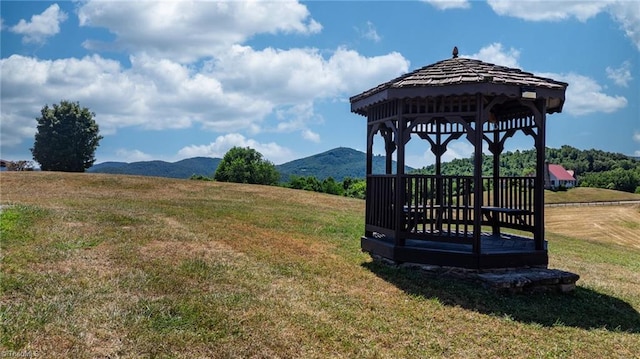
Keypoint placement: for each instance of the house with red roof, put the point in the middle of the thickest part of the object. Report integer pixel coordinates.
(558, 176)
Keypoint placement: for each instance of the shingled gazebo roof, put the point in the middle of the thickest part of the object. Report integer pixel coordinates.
(462, 76)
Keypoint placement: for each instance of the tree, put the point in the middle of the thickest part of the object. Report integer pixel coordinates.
(329, 185)
(246, 165)
(353, 187)
(617, 179)
(66, 138)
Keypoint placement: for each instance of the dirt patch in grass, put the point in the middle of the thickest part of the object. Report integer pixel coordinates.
(177, 251)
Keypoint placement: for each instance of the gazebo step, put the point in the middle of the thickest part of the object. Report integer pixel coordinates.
(529, 279)
(508, 280)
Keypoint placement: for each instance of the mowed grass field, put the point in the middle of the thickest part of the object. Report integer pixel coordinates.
(602, 224)
(121, 266)
(587, 194)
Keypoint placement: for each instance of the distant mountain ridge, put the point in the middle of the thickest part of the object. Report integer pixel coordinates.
(337, 163)
(593, 168)
(205, 166)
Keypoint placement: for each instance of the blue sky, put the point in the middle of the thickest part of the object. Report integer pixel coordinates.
(172, 80)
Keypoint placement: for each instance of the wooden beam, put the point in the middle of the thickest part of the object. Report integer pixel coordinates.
(538, 194)
(399, 183)
(477, 177)
(390, 148)
(497, 150)
(371, 131)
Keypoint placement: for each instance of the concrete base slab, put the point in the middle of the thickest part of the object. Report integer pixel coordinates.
(510, 280)
(530, 279)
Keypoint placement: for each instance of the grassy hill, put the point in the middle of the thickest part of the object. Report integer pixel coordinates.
(97, 265)
(588, 194)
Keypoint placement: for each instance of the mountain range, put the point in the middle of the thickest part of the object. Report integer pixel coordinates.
(594, 168)
(337, 163)
(205, 166)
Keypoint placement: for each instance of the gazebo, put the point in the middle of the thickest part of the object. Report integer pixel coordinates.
(457, 220)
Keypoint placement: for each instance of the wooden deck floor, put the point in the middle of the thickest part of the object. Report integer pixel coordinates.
(504, 243)
(503, 251)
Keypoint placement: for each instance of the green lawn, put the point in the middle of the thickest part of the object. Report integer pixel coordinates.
(123, 266)
(587, 194)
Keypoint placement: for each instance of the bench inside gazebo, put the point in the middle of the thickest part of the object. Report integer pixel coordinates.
(478, 221)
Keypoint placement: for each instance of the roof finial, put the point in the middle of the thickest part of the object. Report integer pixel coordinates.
(455, 52)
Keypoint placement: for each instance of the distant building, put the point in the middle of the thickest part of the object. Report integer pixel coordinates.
(558, 176)
(15, 165)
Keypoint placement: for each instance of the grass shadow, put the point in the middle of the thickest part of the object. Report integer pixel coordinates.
(583, 308)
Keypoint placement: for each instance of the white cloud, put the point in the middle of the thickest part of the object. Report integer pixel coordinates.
(298, 118)
(458, 149)
(299, 75)
(620, 76)
(290, 76)
(311, 136)
(236, 93)
(547, 11)
(271, 151)
(625, 12)
(153, 94)
(370, 32)
(41, 26)
(496, 54)
(636, 136)
(449, 4)
(357, 73)
(125, 155)
(418, 160)
(14, 128)
(585, 96)
(188, 30)
(235, 88)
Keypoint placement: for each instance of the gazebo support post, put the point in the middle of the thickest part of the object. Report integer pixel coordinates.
(540, 119)
(438, 150)
(496, 151)
(399, 183)
(389, 147)
(477, 176)
(369, 169)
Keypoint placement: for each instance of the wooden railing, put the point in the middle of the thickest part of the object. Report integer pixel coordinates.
(380, 216)
(513, 193)
(442, 207)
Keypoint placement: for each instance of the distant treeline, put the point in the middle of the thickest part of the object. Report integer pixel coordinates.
(592, 168)
(349, 187)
